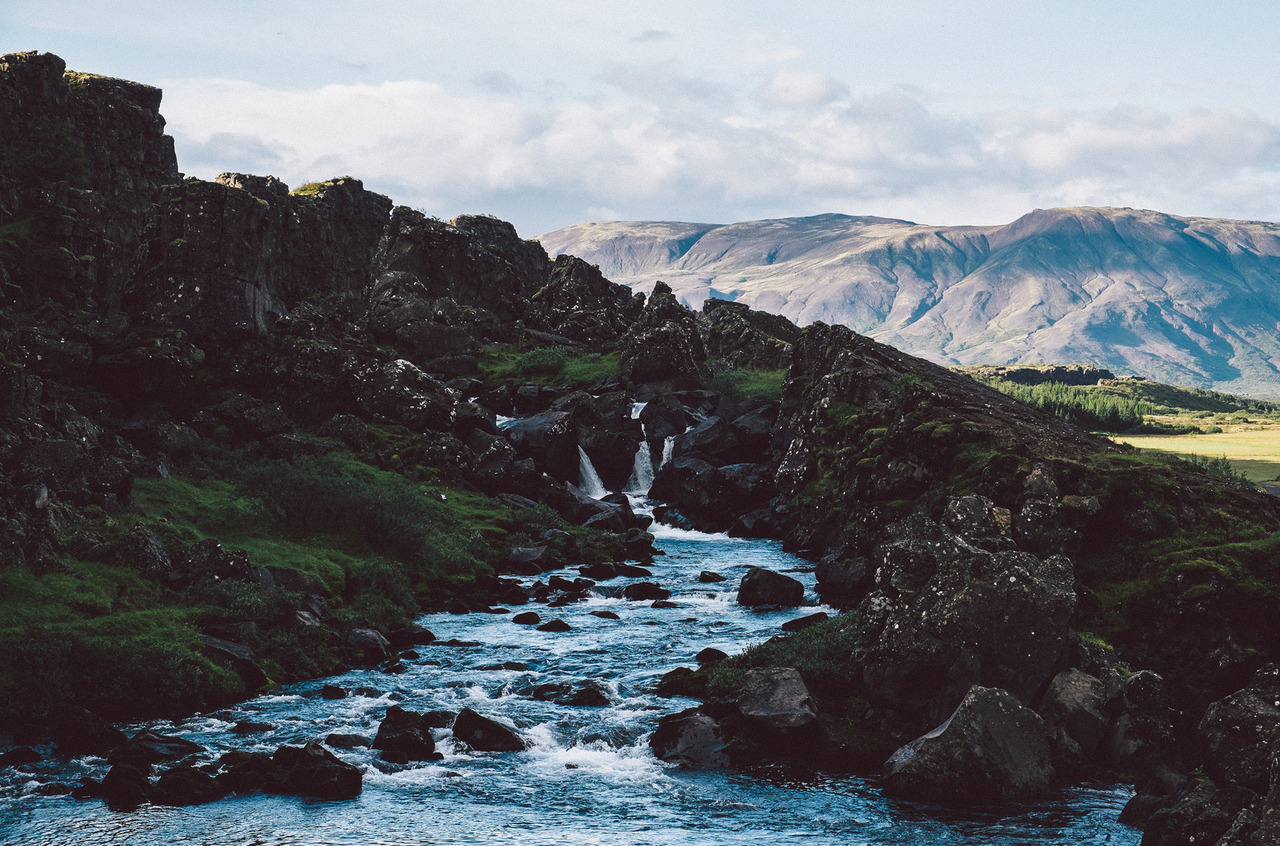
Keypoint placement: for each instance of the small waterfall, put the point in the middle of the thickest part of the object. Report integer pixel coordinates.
(642, 468)
(668, 446)
(588, 479)
(642, 473)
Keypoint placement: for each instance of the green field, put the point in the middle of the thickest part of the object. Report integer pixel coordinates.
(1252, 449)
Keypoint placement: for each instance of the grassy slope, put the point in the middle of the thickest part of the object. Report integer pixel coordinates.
(105, 637)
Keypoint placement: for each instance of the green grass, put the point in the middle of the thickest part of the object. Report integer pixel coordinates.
(1252, 450)
(745, 383)
(312, 189)
(500, 365)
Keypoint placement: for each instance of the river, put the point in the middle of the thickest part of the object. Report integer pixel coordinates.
(588, 776)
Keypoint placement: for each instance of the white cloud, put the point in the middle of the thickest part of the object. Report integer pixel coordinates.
(791, 89)
(688, 150)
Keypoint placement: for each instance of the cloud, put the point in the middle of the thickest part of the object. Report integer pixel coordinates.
(683, 148)
(649, 36)
(789, 89)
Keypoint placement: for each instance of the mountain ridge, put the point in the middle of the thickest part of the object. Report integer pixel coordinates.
(1185, 300)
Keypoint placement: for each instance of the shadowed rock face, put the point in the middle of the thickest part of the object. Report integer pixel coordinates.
(1182, 300)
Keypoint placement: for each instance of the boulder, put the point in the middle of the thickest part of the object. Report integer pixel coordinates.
(348, 429)
(550, 440)
(842, 582)
(312, 770)
(238, 658)
(991, 749)
(149, 747)
(707, 577)
(186, 785)
(775, 698)
(1240, 732)
(799, 624)
(530, 561)
(404, 394)
(645, 592)
(142, 551)
(124, 787)
(1074, 704)
(485, 735)
(690, 738)
(556, 625)
(765, 587)
(405, 732)
(368, 646)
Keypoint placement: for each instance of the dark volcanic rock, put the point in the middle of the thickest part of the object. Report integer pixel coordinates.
(485, 735)
(186, 785)
(690, 738)
(1240, 732)
(407, 733)
(992, 749)
(764, 587)
(312, 770)
(775, 698)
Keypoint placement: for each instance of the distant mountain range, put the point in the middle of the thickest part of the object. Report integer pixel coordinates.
(1187, 301)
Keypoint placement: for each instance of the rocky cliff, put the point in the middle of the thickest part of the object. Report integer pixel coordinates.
(1188, 301)
(264, 432)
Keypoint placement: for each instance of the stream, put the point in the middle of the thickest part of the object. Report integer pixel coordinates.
(588, 775)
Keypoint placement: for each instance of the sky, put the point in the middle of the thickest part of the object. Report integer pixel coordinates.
(552, 113)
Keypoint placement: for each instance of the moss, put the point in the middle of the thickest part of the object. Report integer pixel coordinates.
(501, 365)
(314, 189)
(743, 383)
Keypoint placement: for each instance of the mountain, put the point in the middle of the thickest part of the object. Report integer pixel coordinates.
(1183, 300)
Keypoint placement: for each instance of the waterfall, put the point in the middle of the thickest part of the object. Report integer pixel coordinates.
(642, 473)
(668, 446)
(588, 479)
(642, 468)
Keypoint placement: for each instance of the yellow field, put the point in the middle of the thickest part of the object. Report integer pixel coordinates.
(1254, 449)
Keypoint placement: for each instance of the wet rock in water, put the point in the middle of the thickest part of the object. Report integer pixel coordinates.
(707, 577)
(250, 727)
(601, 571)
(332, 691)
(606, 615)
(527, 618)
(765, 587)
(556, 625)
(485, 735)
(246, 771)
(665, 603)
(588, 696)
(19, 756)
(148, 747)
(690, 738)
(186, 785)
(799, 624)
(410, 636)
(991, 749)
(775, 697)
(312, 770)
(645, 592)
(404, 732)
(348, 741)
(710, 655)
(682, 681)
(124, 787)
(631, 571)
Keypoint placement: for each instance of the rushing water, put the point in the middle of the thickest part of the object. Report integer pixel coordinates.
(588, 776)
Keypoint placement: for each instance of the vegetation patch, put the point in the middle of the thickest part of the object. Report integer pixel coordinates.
(743, 383)
(502, 365)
